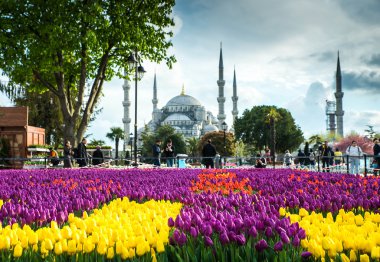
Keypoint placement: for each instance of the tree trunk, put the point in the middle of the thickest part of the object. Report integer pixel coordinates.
(273, 139)
(117, 148)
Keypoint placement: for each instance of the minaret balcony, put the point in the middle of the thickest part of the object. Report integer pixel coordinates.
(126, 103)
(221, 99)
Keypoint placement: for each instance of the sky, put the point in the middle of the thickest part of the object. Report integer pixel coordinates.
(284, 53)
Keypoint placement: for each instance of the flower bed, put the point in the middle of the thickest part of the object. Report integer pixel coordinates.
(188, 214)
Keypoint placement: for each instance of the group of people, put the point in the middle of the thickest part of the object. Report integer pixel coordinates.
(335, 158)
(168, 153)
(78, 154)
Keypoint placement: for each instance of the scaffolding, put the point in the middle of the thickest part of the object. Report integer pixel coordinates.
(331, 116)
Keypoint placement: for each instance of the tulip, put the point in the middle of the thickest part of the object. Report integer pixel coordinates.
(261, 245)
(170, 222)
(252, 232)
(278, 246)
(58, 248)
(208, 241)
(17, 251)
(224, 238)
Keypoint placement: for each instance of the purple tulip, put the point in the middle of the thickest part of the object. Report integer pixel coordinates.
(278, 246)
(170, 222)
(252, 232)
(306, 254)
(193, 232)
(240, 239)
(208, 241)
(296, 241)
(284, 238)
(261, 245)
(224, 238)
(268, 232)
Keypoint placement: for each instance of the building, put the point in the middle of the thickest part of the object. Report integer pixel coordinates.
(184, 112)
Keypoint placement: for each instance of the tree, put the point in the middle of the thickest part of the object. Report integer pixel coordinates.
(272, 118)
(97, 142)
(371, 133)
(192, 146)
(71, 48)
(252, 129)
(164, 133)
(217, 138)
(116, 135)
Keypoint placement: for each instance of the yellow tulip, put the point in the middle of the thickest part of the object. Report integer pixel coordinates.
(17, 251)
(24, 242)
(359, 220)
(58, 248)
(67, 232)
(132, 253)
(35, 248)
(160, 246)
(375, 253)
(102, 248)
(344, 257)
(119, 247)
(64, 245)
(364, 258)
(71, 246)
(48, 244)
(110, 253)
(33, 238)
(353, 256)
(88, 246)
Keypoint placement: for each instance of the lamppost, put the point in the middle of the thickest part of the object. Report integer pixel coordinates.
(130, 142)
(133, 61)
(224, 127)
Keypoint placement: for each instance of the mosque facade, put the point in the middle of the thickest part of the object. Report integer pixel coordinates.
(184, 112)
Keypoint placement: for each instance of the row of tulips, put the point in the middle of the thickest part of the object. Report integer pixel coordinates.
(120, 229)
(226, 216)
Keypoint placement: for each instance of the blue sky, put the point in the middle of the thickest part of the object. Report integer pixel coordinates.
(284, 53)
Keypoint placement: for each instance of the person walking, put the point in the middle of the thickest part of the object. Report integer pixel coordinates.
(169, 153)
(326, 152)
(97, 156)
(156, 151)
(208, 153)
(354, 152)
(301, 158)
(376, 158)
(338, 159)
(311, 159)
(67, 155)
(306, 151)
(288, 158)
(82, 153)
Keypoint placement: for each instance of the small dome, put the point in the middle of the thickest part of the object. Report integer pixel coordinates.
(210, 128)
(183, 100)
(176, 117)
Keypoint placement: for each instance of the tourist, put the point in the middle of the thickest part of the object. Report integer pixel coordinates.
(67, 155)
(306, 151)
(311, 159)
(326, 152)
(288, 158)
(301, 158)
(156, 151)
(354, 152)
(260, 161)
(267, 155)
(338, 159)
(169, 153)
(97, 156)
(82, 153)
(208, 153)
(376, 158)
(53, 157)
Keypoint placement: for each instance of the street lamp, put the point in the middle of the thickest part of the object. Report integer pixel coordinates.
(133, 62)
(130, 142)
(224, 127)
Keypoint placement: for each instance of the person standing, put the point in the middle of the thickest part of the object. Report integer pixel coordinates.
(354, 152)
(376, 158)
(306, 151)
(169, 153)
(338, 158)
(67, 155)
(288, 158)
(208, 153)
(97, 156)
(82, 153)
(312, 159)
(326, 152)
(156, 150)
(260, 161)
(53, 157)
(301, 158)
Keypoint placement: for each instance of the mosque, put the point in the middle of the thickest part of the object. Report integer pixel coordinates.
(184, 112)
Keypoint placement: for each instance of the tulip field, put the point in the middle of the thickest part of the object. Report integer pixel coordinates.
(188, 215)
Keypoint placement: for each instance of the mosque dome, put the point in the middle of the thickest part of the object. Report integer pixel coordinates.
(183, 100)
(177, 116)
(210, 128)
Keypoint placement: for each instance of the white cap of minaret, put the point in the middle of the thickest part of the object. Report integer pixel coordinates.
(155, 100)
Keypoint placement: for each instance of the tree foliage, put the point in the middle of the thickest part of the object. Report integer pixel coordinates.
(253, 129)
(163, 133)
(217, 139)
(72, 47)
(116, 135)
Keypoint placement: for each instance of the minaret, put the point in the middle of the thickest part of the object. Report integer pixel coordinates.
(221, 99)
(235, 98)
(154, 100)
(339, 99)
(156, 112)
(126, 118)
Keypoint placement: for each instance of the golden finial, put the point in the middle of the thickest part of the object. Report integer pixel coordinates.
(183, 90)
